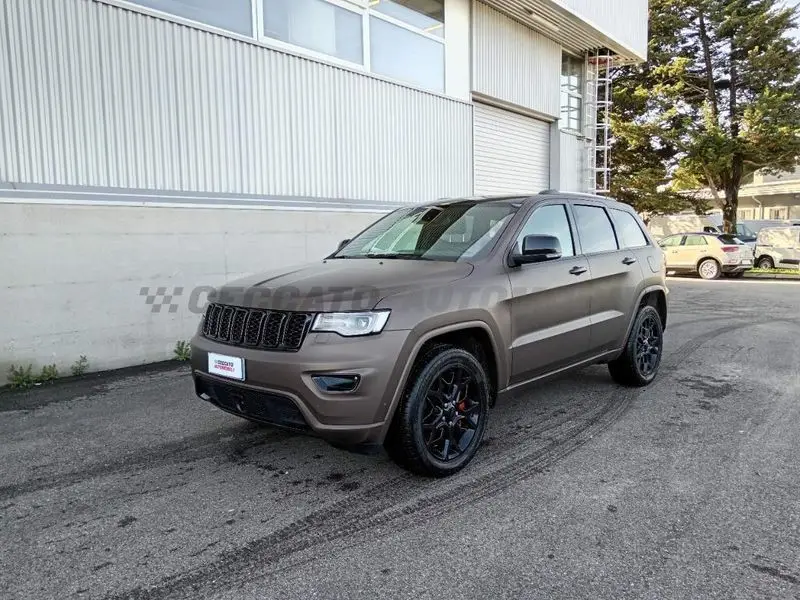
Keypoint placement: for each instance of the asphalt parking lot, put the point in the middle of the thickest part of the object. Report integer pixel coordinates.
(127, 486)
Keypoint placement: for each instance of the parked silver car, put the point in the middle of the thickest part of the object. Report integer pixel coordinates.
(778, 247)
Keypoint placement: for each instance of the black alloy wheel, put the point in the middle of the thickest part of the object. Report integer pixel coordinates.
(451, 414)
(638, 364)
(440, 421)
(648, 345)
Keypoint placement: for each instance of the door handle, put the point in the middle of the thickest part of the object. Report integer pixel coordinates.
(628, 260)
(576, 270)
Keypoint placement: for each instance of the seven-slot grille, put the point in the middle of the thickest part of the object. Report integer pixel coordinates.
(255, 328)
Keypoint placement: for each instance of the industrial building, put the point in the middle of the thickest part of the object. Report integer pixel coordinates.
(149, 148)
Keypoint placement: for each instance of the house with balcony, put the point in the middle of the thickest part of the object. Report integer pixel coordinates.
(150, 145)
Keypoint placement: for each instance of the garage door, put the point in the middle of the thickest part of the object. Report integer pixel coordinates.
(512, 152)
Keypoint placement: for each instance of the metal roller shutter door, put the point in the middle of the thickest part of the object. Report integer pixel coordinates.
(512, 152)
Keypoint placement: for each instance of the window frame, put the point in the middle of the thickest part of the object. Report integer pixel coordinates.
(134, 6)
(619, 247)
(564, 125)
(621, 242)
(576, 249)
(362, 8)
(403, 25)
(261, 37)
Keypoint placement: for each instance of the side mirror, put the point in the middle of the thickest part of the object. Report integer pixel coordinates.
(537, 248)
(342, 244)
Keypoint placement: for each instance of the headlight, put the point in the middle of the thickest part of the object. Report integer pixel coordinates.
(351, 324)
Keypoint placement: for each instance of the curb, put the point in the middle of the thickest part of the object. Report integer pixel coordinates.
(772, 276)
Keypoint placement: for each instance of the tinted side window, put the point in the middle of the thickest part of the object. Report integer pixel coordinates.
(675, 240)
(695, 240)
(628, 229)
(594, 229)
(550, 220)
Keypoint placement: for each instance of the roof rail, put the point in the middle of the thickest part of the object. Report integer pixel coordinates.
(579, 194)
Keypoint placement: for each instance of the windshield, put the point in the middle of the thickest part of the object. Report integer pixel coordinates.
(447, 232)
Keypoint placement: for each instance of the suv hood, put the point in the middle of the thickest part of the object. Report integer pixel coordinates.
(337, 284)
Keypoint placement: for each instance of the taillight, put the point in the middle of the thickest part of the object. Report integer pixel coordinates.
(730, 248)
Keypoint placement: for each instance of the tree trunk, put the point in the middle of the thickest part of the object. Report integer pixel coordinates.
(729, 209)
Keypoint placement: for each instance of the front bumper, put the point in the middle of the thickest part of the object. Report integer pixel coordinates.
(278, 388)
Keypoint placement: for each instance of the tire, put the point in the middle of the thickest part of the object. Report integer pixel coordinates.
(417, 440)
(627, 369)
(765, 262)
(709, 269)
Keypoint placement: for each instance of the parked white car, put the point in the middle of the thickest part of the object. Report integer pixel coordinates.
(778, 247)
(707, 254)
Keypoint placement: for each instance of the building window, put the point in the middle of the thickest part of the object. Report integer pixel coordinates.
(427, 15)
(316, 25)
(401, 39)
(232, 15)
(405, 55)
(571, 93)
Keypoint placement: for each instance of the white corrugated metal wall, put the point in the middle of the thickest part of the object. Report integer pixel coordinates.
(519, 69)
(624, 21)
(514, 63)
(96, 95)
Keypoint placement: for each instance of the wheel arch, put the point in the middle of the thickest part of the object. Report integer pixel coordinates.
(768, 255)
(458, 334)
(655, 296)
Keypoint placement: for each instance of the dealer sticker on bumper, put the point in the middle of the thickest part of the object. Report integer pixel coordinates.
(226, 366)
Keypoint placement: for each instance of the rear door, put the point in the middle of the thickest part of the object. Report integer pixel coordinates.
(693, 248)
(616, 276)
(632, 238)
(550, 305)
(671, 248)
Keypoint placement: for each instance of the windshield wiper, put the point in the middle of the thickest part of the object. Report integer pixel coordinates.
(398, 255)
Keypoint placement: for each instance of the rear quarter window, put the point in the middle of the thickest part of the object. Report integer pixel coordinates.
(628, 229)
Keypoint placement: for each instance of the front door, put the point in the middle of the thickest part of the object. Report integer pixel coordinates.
(671, 248)
(550, 305)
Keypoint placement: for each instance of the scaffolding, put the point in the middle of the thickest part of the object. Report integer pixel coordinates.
(598, 120)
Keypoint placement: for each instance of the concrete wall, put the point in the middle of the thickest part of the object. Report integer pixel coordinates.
(71, 275)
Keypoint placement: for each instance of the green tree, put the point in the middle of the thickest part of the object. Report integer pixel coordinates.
(717, 100)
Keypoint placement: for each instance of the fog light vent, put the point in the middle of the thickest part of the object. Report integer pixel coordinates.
(336, 383)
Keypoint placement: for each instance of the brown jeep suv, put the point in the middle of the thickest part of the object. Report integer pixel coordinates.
(407, 335)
